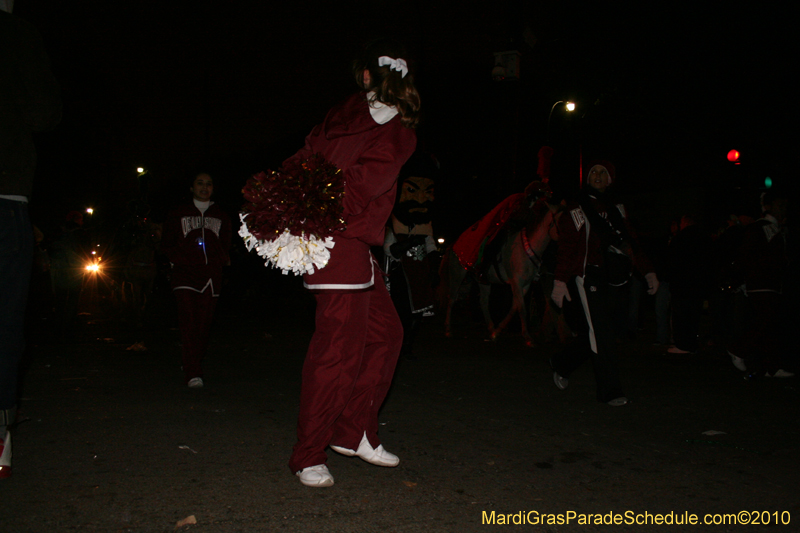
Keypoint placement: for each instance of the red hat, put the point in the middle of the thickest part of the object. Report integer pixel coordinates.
(612, 172)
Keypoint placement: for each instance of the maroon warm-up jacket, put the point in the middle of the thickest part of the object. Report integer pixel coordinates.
(370, 155)
(197, 245)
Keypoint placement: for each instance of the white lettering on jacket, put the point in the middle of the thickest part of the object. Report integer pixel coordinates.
(577, 217)
(191, 223)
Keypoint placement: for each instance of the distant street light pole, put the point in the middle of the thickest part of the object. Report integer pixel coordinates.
(140, 205)
(570, 107)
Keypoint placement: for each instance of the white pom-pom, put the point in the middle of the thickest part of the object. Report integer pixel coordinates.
(290, 253)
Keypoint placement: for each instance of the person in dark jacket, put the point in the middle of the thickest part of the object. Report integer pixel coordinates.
(762, 263)
(689, 268)
(196, 239)
(29, 102)
(595, 253)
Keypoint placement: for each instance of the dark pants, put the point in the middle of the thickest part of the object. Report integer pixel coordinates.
(402, 303)
(636, 289)
(760, 344)
(67, 284)
(347, 372)
(728, 315)
(195, 316)
(16, 258)
(663, 297)
(592, 306)
(686, 311)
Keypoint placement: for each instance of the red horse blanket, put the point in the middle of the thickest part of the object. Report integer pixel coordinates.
(471, 244)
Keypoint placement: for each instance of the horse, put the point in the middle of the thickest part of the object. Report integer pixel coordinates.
(518, 263)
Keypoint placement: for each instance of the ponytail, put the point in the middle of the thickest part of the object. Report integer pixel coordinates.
(393, 84)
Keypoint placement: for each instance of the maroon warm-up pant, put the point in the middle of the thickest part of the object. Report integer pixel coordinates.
(347, 372)
(195, 315)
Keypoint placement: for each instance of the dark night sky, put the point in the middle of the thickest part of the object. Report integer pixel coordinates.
(665, 92)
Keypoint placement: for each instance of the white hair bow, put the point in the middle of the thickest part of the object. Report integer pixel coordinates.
(398, 64)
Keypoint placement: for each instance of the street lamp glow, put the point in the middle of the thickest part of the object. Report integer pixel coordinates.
(89, 210)
(140, 170)
(570, 106)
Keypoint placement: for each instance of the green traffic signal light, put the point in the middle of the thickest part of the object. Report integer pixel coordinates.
(767, 182)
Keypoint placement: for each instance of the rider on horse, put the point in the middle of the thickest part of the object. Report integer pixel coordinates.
(477, 247)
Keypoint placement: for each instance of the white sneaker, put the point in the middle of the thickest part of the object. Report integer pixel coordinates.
(196, 383)
(618, 402)
(376, 456)
(560, 381)
(5, 455)
(315, 476)
(780, 373)
(738, 362)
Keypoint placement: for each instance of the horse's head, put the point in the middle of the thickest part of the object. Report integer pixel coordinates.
(541, 226)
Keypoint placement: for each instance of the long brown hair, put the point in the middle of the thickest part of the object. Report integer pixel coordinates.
(390, 86)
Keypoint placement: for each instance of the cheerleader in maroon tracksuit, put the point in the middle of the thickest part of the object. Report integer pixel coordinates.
(196, 239)
(353, 353)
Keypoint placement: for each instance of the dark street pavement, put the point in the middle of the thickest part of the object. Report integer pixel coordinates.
(111, 439)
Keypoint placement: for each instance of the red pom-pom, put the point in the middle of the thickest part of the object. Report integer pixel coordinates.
(304, 197)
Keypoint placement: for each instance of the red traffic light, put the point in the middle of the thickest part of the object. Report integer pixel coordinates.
(733, 156)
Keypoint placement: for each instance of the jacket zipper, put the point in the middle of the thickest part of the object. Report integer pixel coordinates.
(203, 234)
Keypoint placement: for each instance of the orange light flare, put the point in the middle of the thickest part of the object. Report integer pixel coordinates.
(94, 264)
(99, 281)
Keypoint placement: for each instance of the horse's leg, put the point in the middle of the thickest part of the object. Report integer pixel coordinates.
(519, 293)
(448, 316)
(499, 329)
(517, 307)
(455, 277)
(520, 272)
(485, 291)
